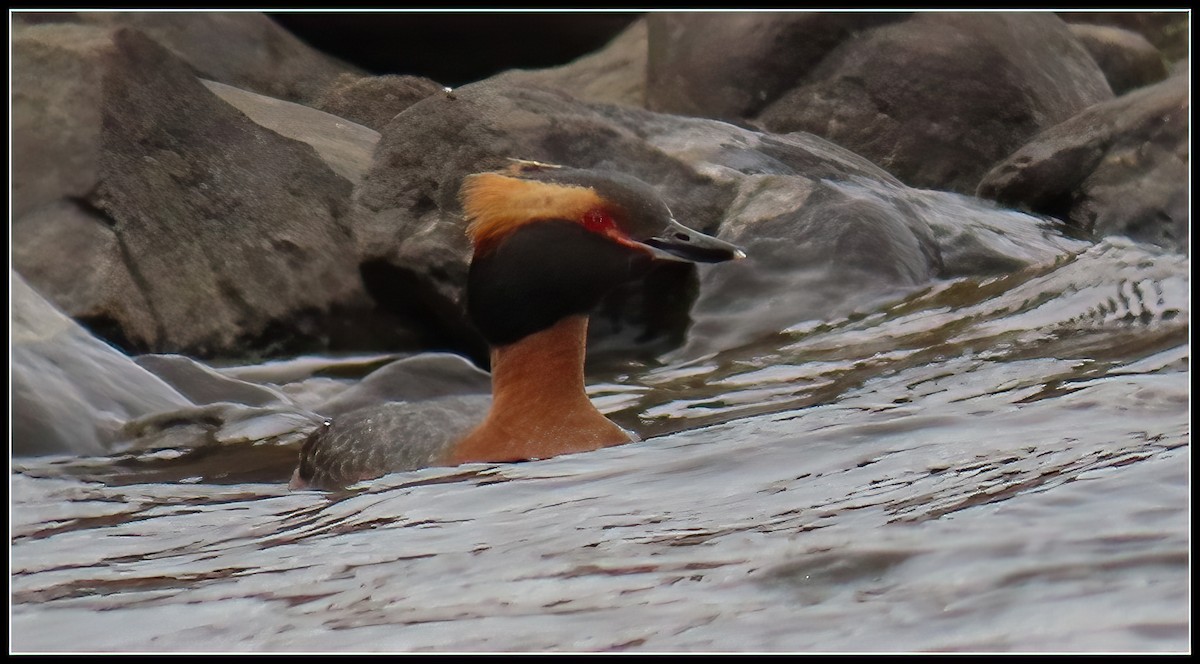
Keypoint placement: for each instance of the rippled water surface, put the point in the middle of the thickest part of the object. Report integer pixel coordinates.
(988, 464)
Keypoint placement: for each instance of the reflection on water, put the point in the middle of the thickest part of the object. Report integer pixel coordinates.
(987, 464)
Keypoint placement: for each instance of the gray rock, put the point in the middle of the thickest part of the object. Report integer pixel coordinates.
(732, 65)
(72, 392)
(1166, 30)
(372, 101)
(74, 255)
(231, 233)
(57, 107)
(1126, 58)
(346, 147)
(616, 74)
(941, 97)
(1120, 167)
(202, 385)
(243, 49)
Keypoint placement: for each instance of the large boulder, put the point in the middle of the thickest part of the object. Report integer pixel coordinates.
(938, 99)
(934, 98)
(732, 65)
(221, 237)
(1127, 59)
(1118, 168)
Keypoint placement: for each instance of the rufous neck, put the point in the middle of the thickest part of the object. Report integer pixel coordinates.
(539, 405)
(542, 371)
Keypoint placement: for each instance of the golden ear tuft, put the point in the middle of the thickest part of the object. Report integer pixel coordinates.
(496, 205)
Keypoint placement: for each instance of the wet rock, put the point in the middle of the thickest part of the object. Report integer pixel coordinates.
(417, 378)
(231, 249)
(243, 49)
(616, 74)
(1117, 168)
(203, 385)
(1126, 58)
(372, 101)
(939, 98)
(71, 392)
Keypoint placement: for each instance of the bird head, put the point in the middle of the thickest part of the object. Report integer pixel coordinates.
(550, 241)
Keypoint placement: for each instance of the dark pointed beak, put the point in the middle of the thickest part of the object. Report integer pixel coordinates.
(680, 243)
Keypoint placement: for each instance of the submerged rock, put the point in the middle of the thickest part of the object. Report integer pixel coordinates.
(72, 392)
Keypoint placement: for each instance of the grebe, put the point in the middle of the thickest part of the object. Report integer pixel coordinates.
(548, 243)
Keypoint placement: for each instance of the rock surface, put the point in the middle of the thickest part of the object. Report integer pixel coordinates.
(616, 74)
(1167, 31)
(254, 53)
(938, 99)
(1118, 168)
(1127, 59)
(223, 243)
(71, 392)
(372, 101)
(934, 98)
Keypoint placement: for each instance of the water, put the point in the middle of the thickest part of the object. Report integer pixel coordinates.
(985, 464)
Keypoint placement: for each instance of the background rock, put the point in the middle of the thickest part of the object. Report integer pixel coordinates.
(1117, 168)
(1126, 58)
(226, 246)
(938, 99)
(254, 53)
(1167, 31)
(732, 65)
(343, 239)
(372, 101)
(615, 74)
(345, 147)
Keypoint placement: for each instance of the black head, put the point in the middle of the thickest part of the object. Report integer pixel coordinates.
(550, 242)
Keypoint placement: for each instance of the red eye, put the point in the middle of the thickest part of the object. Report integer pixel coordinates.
(598, 222)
